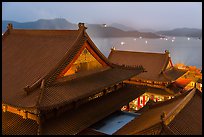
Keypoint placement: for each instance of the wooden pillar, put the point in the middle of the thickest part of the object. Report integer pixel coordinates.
(128, 107)
(152, 97)
(138, 102)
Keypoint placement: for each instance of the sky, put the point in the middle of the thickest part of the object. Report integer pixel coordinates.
(137, 15)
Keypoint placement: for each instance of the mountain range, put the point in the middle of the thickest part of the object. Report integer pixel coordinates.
(101, 30)
(188, 32)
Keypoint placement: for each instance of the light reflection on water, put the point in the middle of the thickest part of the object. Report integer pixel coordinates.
(181, 49)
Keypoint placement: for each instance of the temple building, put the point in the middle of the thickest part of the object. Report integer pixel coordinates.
(160, 76)
(181, 115)
(58, 82)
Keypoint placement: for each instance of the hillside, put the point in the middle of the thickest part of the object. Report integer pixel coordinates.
(41, 24)
(94, 30)
(188, 32)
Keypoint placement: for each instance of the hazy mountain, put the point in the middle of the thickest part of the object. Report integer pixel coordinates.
(122, 27)
(127, 28)
(188, 32)
(97, 30)
(41, 24)
(94, 30)
(147, 30)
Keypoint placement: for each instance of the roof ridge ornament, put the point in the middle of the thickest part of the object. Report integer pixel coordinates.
(9, 26)
(113, 48)
(167, 52)
(82, 26)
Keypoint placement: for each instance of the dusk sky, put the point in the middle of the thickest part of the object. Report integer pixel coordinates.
(138, 15)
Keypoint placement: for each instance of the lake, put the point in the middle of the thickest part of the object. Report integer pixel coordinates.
(182, 49)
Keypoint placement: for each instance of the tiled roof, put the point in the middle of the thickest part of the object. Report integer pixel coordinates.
(152, 116)
(29, 56)
(90, 131)
(153, 63)
(183, 82)
(147, 119)
(175, 88)
(13, 124)
(174, 73)
(83, 87)
(189, 120)
(73, 122)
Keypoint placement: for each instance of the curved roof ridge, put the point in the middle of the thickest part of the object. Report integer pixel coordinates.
(140, 52)
(166, 62)
(39, 32)
(96, 49)
(22, 29)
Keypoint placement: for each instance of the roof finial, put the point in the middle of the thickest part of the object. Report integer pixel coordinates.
(167, 52)
(113, 48)
(9, 26)
(81, 26)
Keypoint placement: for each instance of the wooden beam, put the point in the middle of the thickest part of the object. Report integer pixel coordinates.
(25, 114)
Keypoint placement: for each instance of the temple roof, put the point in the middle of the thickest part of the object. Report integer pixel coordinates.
(174, 73)
(13, 124)
(32, 60)
(89, 131)
(184, 112)
(189, 120)
(183, 82)
(154, 64)
(76, 120)
(83, 87)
